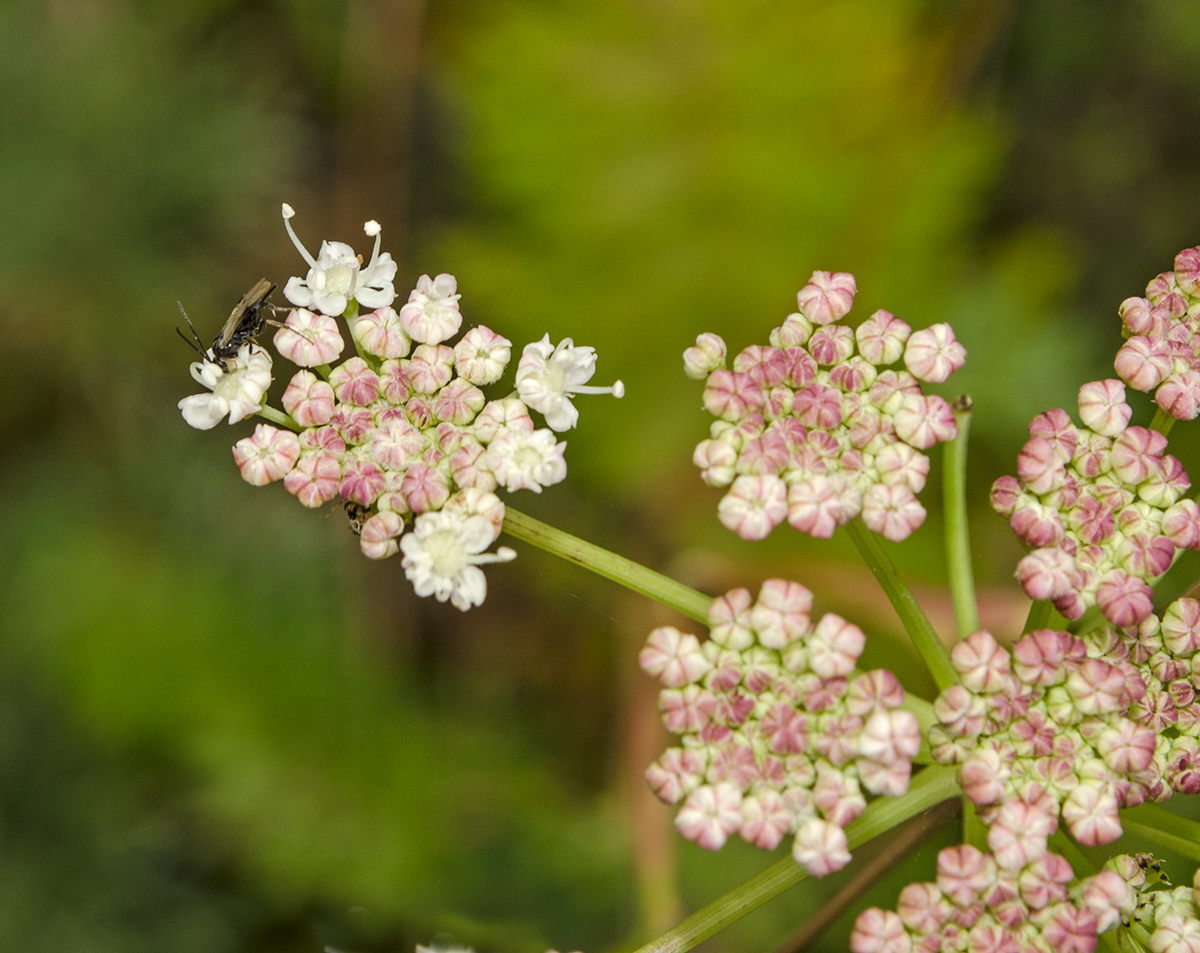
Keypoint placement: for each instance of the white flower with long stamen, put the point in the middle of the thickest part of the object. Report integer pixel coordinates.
(443, 553)
(337, 276)
(237, 392)
(548, 377)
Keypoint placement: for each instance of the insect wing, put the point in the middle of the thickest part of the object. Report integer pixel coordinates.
(244, 321)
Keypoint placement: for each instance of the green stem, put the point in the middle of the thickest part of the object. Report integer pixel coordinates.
(279, 417)
(958, 543)
(1163, 828)
(632, 575)
(930, 787)
(926, 641)
(1162, 422)
(1040, 614)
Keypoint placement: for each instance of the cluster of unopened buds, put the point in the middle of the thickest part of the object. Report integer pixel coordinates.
(1071, 727)
(1162, 353)
(1101, 505)
(1005, 904)
(818, 427)
(401, 432)
(778, 734)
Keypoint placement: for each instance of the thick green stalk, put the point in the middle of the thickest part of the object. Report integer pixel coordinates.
(958, 541)
(930, 787)
(1040, 614)
(1163, 828)
(927, 643)
(632, 575)
(1162, 422)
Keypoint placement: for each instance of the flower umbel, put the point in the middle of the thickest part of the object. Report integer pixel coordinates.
(812, 428)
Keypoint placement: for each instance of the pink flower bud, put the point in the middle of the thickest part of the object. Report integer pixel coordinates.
(754, 506)
(1126, 747)
(1102, 407)
(378, 537)
(814, 507)
(892, 511)
(1138, 318)
(717, 460)
(933, 354)
(960, 711)
(1092, 521)
(899, 464)
(729, 620)
(482, 355)
(1109, 898)
(766, 366)
(1124, 600)
(1018, 834)
(962, 874)
(881, 338)
(1039, 467)
(731, 395)
(818, 406)
(379, 333)
(1145, 556)
(355, 383)
(1046, 573)
(1093, 455)
(831, 345)
(706, 356)
(827, 297)
(1187, 270)
(1070, 930)
(1090, 813)
(922, 421)
(981, 662)
(890, 736)
(1143, 363)
(678, 772)
(308, 399)
(1037, 525)
(315, 479)
(308, 340)
(362, 481)
(781, 614)
(1137, 453)
(984, 777)
(879, 931)
(1005, 492)
(801, 368)
(710, 814)
(1181, 524)
(674, 658)
(834, 646)
(266, 456)
(765, 819)
(820, 847)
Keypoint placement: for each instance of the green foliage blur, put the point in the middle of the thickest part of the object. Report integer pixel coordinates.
(221, 729)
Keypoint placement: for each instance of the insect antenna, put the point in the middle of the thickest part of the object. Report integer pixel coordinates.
(197, 345)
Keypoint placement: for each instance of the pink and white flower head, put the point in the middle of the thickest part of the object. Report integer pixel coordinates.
(443, 553)
(267, 456)
(482, 355)
(337, 276)
(431, 315)
(237, 392)
(771, 706)
(308, 339)
(548, 376)
(524, 460)
(379, 333)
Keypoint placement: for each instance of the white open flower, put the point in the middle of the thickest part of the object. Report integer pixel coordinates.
(337, 276)
(525, 460)
(548, 377)
(443, 553)
(237, 392)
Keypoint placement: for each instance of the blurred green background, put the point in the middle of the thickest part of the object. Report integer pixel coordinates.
(222, 729)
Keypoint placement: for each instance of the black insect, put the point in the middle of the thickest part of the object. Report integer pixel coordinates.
(244, 325)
